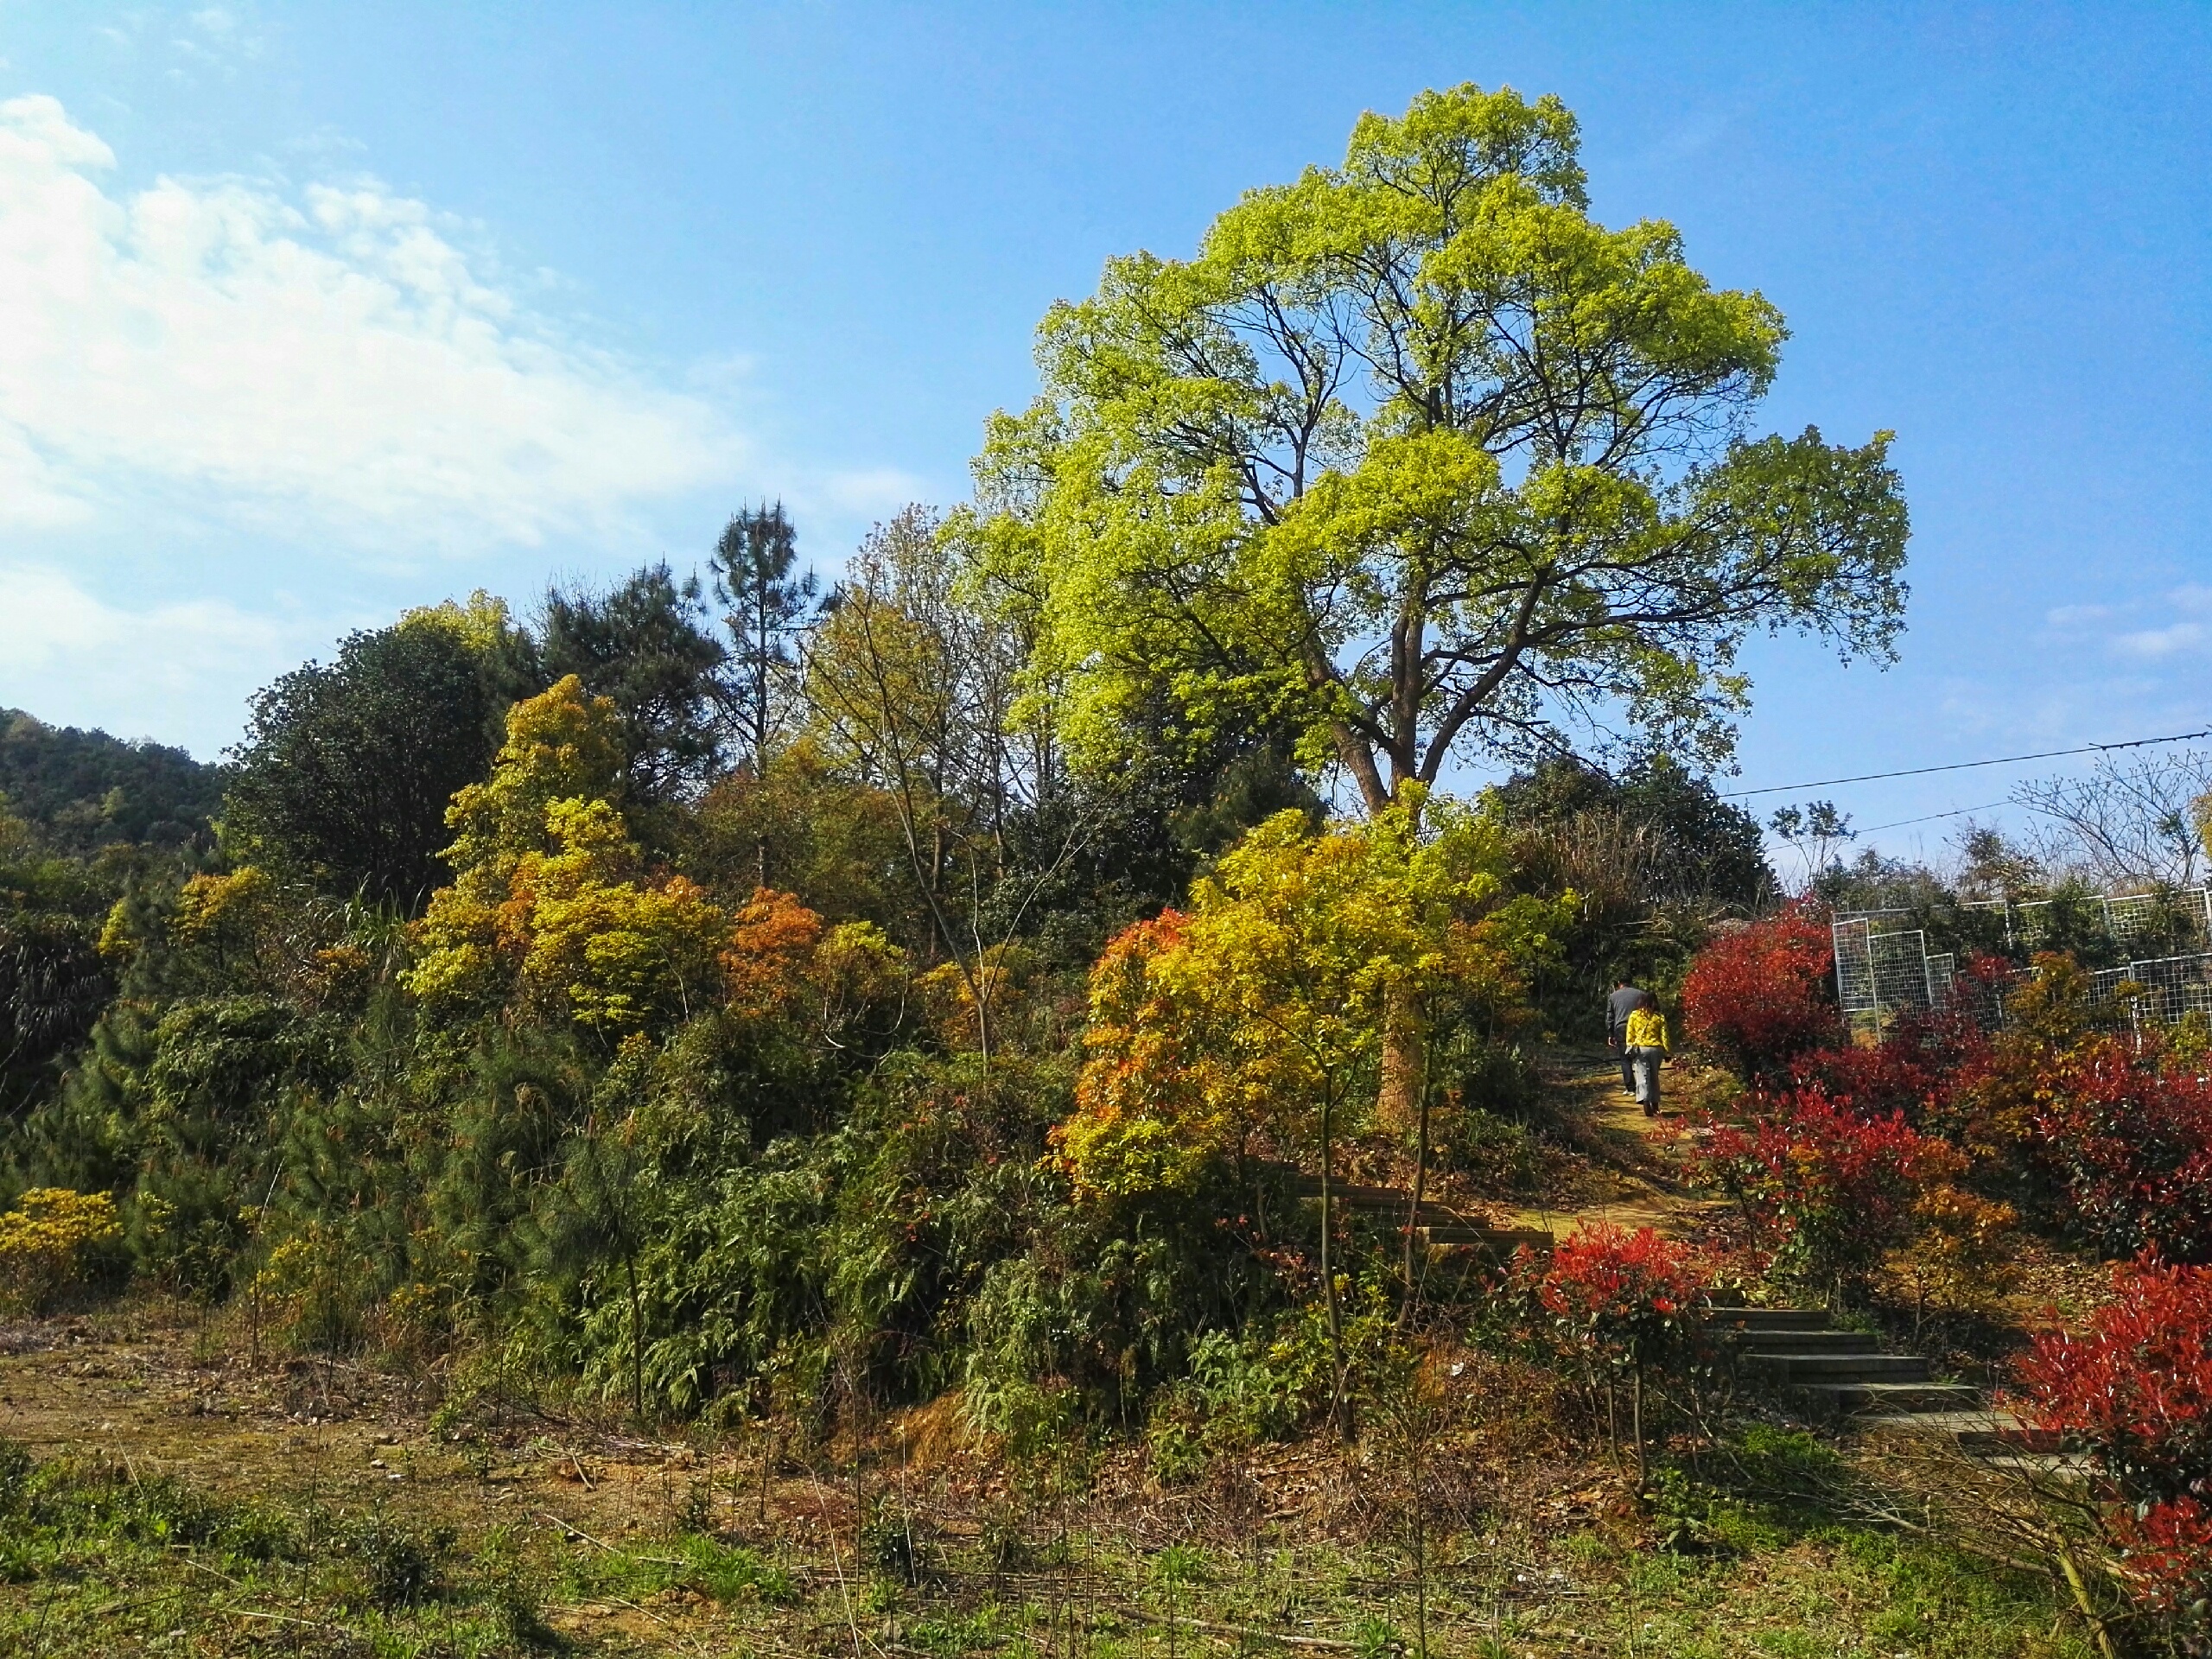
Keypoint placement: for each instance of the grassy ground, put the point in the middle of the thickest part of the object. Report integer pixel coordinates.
(165, 1490)
(170, 1498)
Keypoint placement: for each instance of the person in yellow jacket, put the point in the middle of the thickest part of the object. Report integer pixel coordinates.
(1645, 1043)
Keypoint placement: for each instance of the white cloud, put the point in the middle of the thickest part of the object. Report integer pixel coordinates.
(180, 671)
(326, 360)
(879, 490)
(2072, 616)
(2163, 642)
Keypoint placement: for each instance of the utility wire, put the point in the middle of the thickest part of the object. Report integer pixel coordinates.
(1955, 812)
(1965, 766)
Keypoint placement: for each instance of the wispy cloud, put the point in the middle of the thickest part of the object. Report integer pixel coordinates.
(2168, 641)
(2119, 627)
(329, 359)
(181, 670)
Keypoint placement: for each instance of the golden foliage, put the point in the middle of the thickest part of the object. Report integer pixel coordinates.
(1261, 1013)
(553, 906)
(46, 1242)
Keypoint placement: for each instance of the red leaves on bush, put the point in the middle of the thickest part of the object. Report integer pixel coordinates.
(1627, 1296)
(1825, 1190)
(2134, 1389)
(2131, 1144)
(1915, 1068)
(1757, 998)
(2169, 1545)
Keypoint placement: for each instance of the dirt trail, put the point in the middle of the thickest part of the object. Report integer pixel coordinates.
(139, 1383)
(1628, 1167)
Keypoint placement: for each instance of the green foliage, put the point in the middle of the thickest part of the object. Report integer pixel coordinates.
(1107, 1307)
(1254, 1021)
(1238, 1391)
(345, 771)
(1761, 1491)
(80, 792)
(644, 646)
(69, 1498)
(400, 1563)
(53, 982)
(755, 576)
(730, 1574)
(1415, 455)
(1652, 857)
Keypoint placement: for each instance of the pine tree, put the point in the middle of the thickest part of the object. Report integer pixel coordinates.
(753, 576)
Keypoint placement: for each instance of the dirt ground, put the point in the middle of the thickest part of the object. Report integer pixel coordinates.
(1546, 1547)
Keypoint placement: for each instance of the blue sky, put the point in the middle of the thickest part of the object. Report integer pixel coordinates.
(308, 313)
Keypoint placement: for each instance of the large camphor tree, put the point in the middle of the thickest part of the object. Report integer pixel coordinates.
(1420, 460)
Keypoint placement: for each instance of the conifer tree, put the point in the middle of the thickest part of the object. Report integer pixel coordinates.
(754, 565)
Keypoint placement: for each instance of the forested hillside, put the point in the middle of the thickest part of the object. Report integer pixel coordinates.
(1040, 992)
(82, 791)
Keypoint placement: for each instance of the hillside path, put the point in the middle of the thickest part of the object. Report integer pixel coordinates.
(1627, 1169)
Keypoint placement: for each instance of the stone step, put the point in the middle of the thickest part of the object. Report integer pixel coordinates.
(1985, 1430)
(1869, 1401)
(1771, 1319)
(1796, 1366)
(1496, 1240)
(1757, 1341)
(1353, 1195)
(2068, 1466)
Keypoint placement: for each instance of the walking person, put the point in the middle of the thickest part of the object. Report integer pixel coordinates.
(1645, 1045)
(1625, 1000)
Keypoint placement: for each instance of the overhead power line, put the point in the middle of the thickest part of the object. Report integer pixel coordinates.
(1966, 766)
(1955, 812)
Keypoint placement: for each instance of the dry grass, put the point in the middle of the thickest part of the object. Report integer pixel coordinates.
(565, 1532)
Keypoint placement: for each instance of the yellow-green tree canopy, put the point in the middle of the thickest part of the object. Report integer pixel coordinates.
(1257, 1016)
(1420, 457)
(553, 904)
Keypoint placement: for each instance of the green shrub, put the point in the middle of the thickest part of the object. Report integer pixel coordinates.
(401, 1564)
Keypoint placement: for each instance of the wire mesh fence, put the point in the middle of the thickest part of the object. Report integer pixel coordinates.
(2122, 917)
(2160, 990)
(1883, 967)
(1880, 973)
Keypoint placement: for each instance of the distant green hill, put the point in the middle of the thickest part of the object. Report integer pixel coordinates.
(81, 790)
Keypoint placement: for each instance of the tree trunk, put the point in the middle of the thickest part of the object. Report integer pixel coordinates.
(1405, 1047)
(1329, 1274)
(1413, 1210)
(1636, 1422)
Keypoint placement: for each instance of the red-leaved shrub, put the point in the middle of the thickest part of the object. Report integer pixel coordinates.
(1623, 1297)
(1824, 1192)
(1624, 1303)
(1757, 998)
(2134, 1389)
(1913, 1069)
(2130, 1143)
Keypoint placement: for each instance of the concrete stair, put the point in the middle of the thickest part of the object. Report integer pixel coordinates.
(1847, 1377)
(1438, 1229)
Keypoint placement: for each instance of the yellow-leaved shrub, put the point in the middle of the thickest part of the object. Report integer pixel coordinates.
(48, 1242)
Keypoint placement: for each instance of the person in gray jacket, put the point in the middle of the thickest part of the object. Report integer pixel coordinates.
(1625, 1000)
